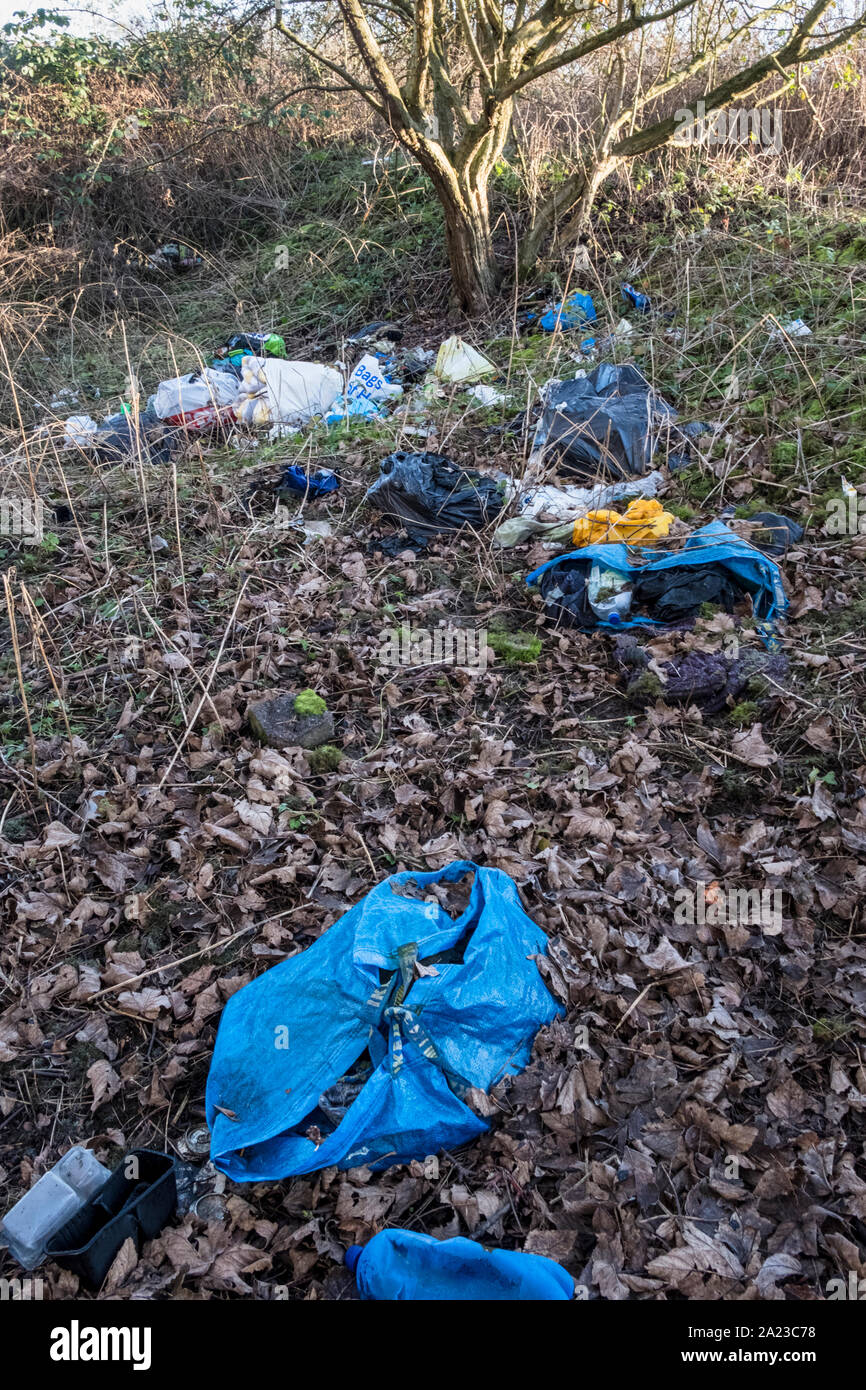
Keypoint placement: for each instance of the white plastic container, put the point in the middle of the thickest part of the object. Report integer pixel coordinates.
(616, 590)
(50, 1203)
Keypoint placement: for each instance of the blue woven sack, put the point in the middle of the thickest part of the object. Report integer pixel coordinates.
(351, 1054)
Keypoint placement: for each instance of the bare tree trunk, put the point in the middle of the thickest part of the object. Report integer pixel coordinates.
(468, 242)
(470, 247)
(461, 180)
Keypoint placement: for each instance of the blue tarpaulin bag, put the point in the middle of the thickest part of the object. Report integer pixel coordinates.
(713, 544)
(417, 1039)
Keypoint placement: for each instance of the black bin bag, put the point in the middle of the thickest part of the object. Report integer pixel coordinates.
(606, 425)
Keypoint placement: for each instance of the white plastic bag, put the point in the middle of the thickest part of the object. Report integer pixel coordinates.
(794, 328)
(486, 395)
(183, 394)
(368, 380)
(458, 362)
(80, 431)
(274, 392)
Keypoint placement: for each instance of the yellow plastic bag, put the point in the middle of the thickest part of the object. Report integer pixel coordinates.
(456, 361)
(643, 520)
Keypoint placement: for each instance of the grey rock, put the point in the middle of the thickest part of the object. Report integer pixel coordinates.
(274, 722)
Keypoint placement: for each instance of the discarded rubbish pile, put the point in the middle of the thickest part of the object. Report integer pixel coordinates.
(349, 1054)
(432, 495)
(711, 680)
(199, 402)
(608, 586)
(121, 438)
(251, 382)
(608, 424)
(195, 401)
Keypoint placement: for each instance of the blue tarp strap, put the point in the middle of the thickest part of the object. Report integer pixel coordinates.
(406, 957)
(404, 1022)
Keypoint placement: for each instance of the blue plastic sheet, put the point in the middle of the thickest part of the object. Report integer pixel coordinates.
(636, 298)
(291, 1036)
(714, 543)
(343, 409)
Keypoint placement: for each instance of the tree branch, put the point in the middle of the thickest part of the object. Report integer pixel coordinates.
(635, 22)
(642, 141)
(423, 44)
(337, 68)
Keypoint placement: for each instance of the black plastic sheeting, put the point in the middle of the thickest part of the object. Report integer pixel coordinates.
(778, 533)
(431, 495)
(608, 425)
(118, 440)
(675, 595)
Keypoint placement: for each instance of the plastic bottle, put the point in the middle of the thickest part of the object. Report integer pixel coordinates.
(51, 1202)
(616, 588)
(406, 1266)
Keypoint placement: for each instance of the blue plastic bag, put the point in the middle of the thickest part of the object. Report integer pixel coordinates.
(296, 479)
(288, 1040)
(714, 543)
(636, 298)
(343, 409)
(405, 1266)
(573, 312)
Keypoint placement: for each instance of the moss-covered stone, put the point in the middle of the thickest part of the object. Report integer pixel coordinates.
(326, 758)
(278, 722)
